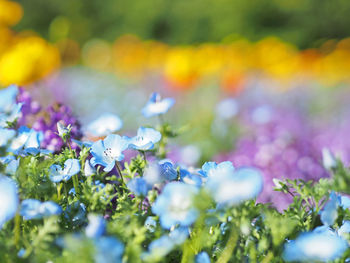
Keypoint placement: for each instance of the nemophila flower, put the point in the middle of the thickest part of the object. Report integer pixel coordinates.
(106, 152)
(6, 135)
(213, 169)
(26, 139)
(344, 228)
(8, 98)
(89, 169)
(175, 205)
(145, 139)
(152, 174)
(81, 144)
(151, 224)
(105, 124)
(34, 209)
(167, 170)
(233, 188)
(11, 116)
(12, 166)
(9, 199)
(189, 178)
(75, 214)
(71, 167)
(156, 106)
(329, 213)
(179, 235)
(202, 258)
(139, 186)
(328, 159)
(321, 245)
(108, 249)
(63, 131)
(160, 247)
(96, 226)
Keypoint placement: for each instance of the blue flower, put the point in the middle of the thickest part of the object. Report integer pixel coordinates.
(328, 159)
(160, 247)
(329, 213)
(156, 105)
(11, 116)
(210, 169)
(344, 228)
(89, 169)
(12, 167)
(71, 167)
(139, 186)
(63, 131)
(233, 188)
(106, 152)
(175, 205)
(189, 178)
(145, 139)
(5, 136)
(96, 226)
(202, 258)
(321, 245)
(9, 199)
(34, 209)
(105, 124)
(8, 98)
(81, 144)
(27, 139)
(167, 170)
(152, 174)
(151, 224)
(108, 249)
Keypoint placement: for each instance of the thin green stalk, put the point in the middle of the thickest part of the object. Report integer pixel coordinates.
(76, 183)
(17, 230)
(119, 171)
(59, 187)
(144, 155)
(230, 246)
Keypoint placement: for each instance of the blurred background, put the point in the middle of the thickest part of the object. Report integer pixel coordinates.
(260, 82)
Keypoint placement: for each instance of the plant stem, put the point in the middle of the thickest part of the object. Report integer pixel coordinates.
(76, 183)
(59, 187)
(230, 246)
(144, 156)
(17, 229)
(119, 171)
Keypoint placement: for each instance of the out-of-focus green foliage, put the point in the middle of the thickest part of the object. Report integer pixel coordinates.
(303, 22)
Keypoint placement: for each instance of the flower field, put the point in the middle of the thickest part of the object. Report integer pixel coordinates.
(93, 195)
(196, 131)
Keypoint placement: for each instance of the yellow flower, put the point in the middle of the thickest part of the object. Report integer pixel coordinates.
(28, 60)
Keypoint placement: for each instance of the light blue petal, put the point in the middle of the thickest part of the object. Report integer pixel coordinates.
(9, 199)
(96, 226)
(108, 249)
(202, 258)
(8, 97)
(311, 246)
(71, 167)
(138, 186)
(89, 169)
(105, 124)
(5, 136)
(329, 212)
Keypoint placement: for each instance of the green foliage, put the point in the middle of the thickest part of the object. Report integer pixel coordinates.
(304, 23)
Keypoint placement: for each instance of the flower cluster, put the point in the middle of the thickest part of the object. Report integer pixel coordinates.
(93, 205)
